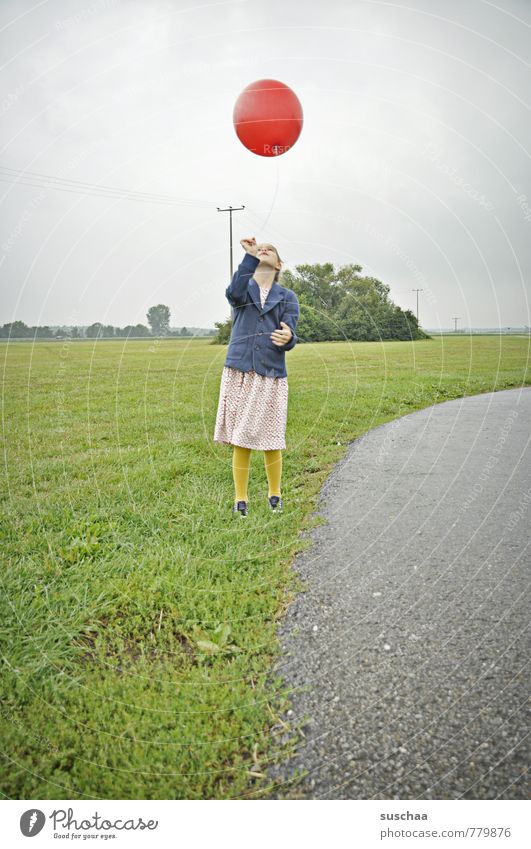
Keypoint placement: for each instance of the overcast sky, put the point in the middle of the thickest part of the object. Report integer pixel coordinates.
(413, 160)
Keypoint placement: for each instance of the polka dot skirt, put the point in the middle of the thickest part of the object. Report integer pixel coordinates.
(252, 409)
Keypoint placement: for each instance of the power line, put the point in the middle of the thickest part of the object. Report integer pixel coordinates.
(65, 180)
(87, 193)
(39, 180)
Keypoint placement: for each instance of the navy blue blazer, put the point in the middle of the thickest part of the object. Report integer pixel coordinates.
(250, 345)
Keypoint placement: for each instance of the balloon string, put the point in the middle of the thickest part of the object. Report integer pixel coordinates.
(270, 210)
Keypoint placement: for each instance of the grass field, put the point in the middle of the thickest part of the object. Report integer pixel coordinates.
(139, 618)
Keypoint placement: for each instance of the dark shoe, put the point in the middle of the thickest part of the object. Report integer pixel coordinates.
(241, 508)
(276, 504)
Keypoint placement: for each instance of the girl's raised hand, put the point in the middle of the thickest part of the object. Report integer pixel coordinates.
(249, 245)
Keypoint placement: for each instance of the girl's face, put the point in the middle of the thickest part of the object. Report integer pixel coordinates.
(268, 254)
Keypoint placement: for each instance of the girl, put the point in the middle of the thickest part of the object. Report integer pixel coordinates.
(253, 398)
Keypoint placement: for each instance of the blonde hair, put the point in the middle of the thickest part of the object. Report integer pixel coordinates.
(277, 275)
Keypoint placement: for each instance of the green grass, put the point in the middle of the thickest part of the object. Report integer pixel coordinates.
(139, 618)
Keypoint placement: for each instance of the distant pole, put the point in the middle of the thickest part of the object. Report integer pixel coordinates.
(417, 291)
(456, 319)
(230, 210)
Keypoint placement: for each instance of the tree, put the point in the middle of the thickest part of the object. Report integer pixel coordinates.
(133, 330)
(343, 304)
(43, 332)
(318, 282)
(16, 330)
(95, 331)
(314, 324)
(159, 320)
(140, 330)
(222, 336)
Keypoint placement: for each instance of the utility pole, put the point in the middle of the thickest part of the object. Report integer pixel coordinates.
(230, 210)
(456, 319)
(417, 291)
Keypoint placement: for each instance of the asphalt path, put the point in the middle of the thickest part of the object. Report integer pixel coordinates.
(409, 650)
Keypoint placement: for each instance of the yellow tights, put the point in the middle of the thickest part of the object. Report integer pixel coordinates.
(241, 463)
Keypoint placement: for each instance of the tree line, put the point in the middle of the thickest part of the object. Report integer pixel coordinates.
(158, 325)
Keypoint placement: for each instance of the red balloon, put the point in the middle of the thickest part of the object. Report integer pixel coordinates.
(268, 117)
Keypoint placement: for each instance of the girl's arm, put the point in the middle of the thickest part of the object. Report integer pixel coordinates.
(236, 293)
